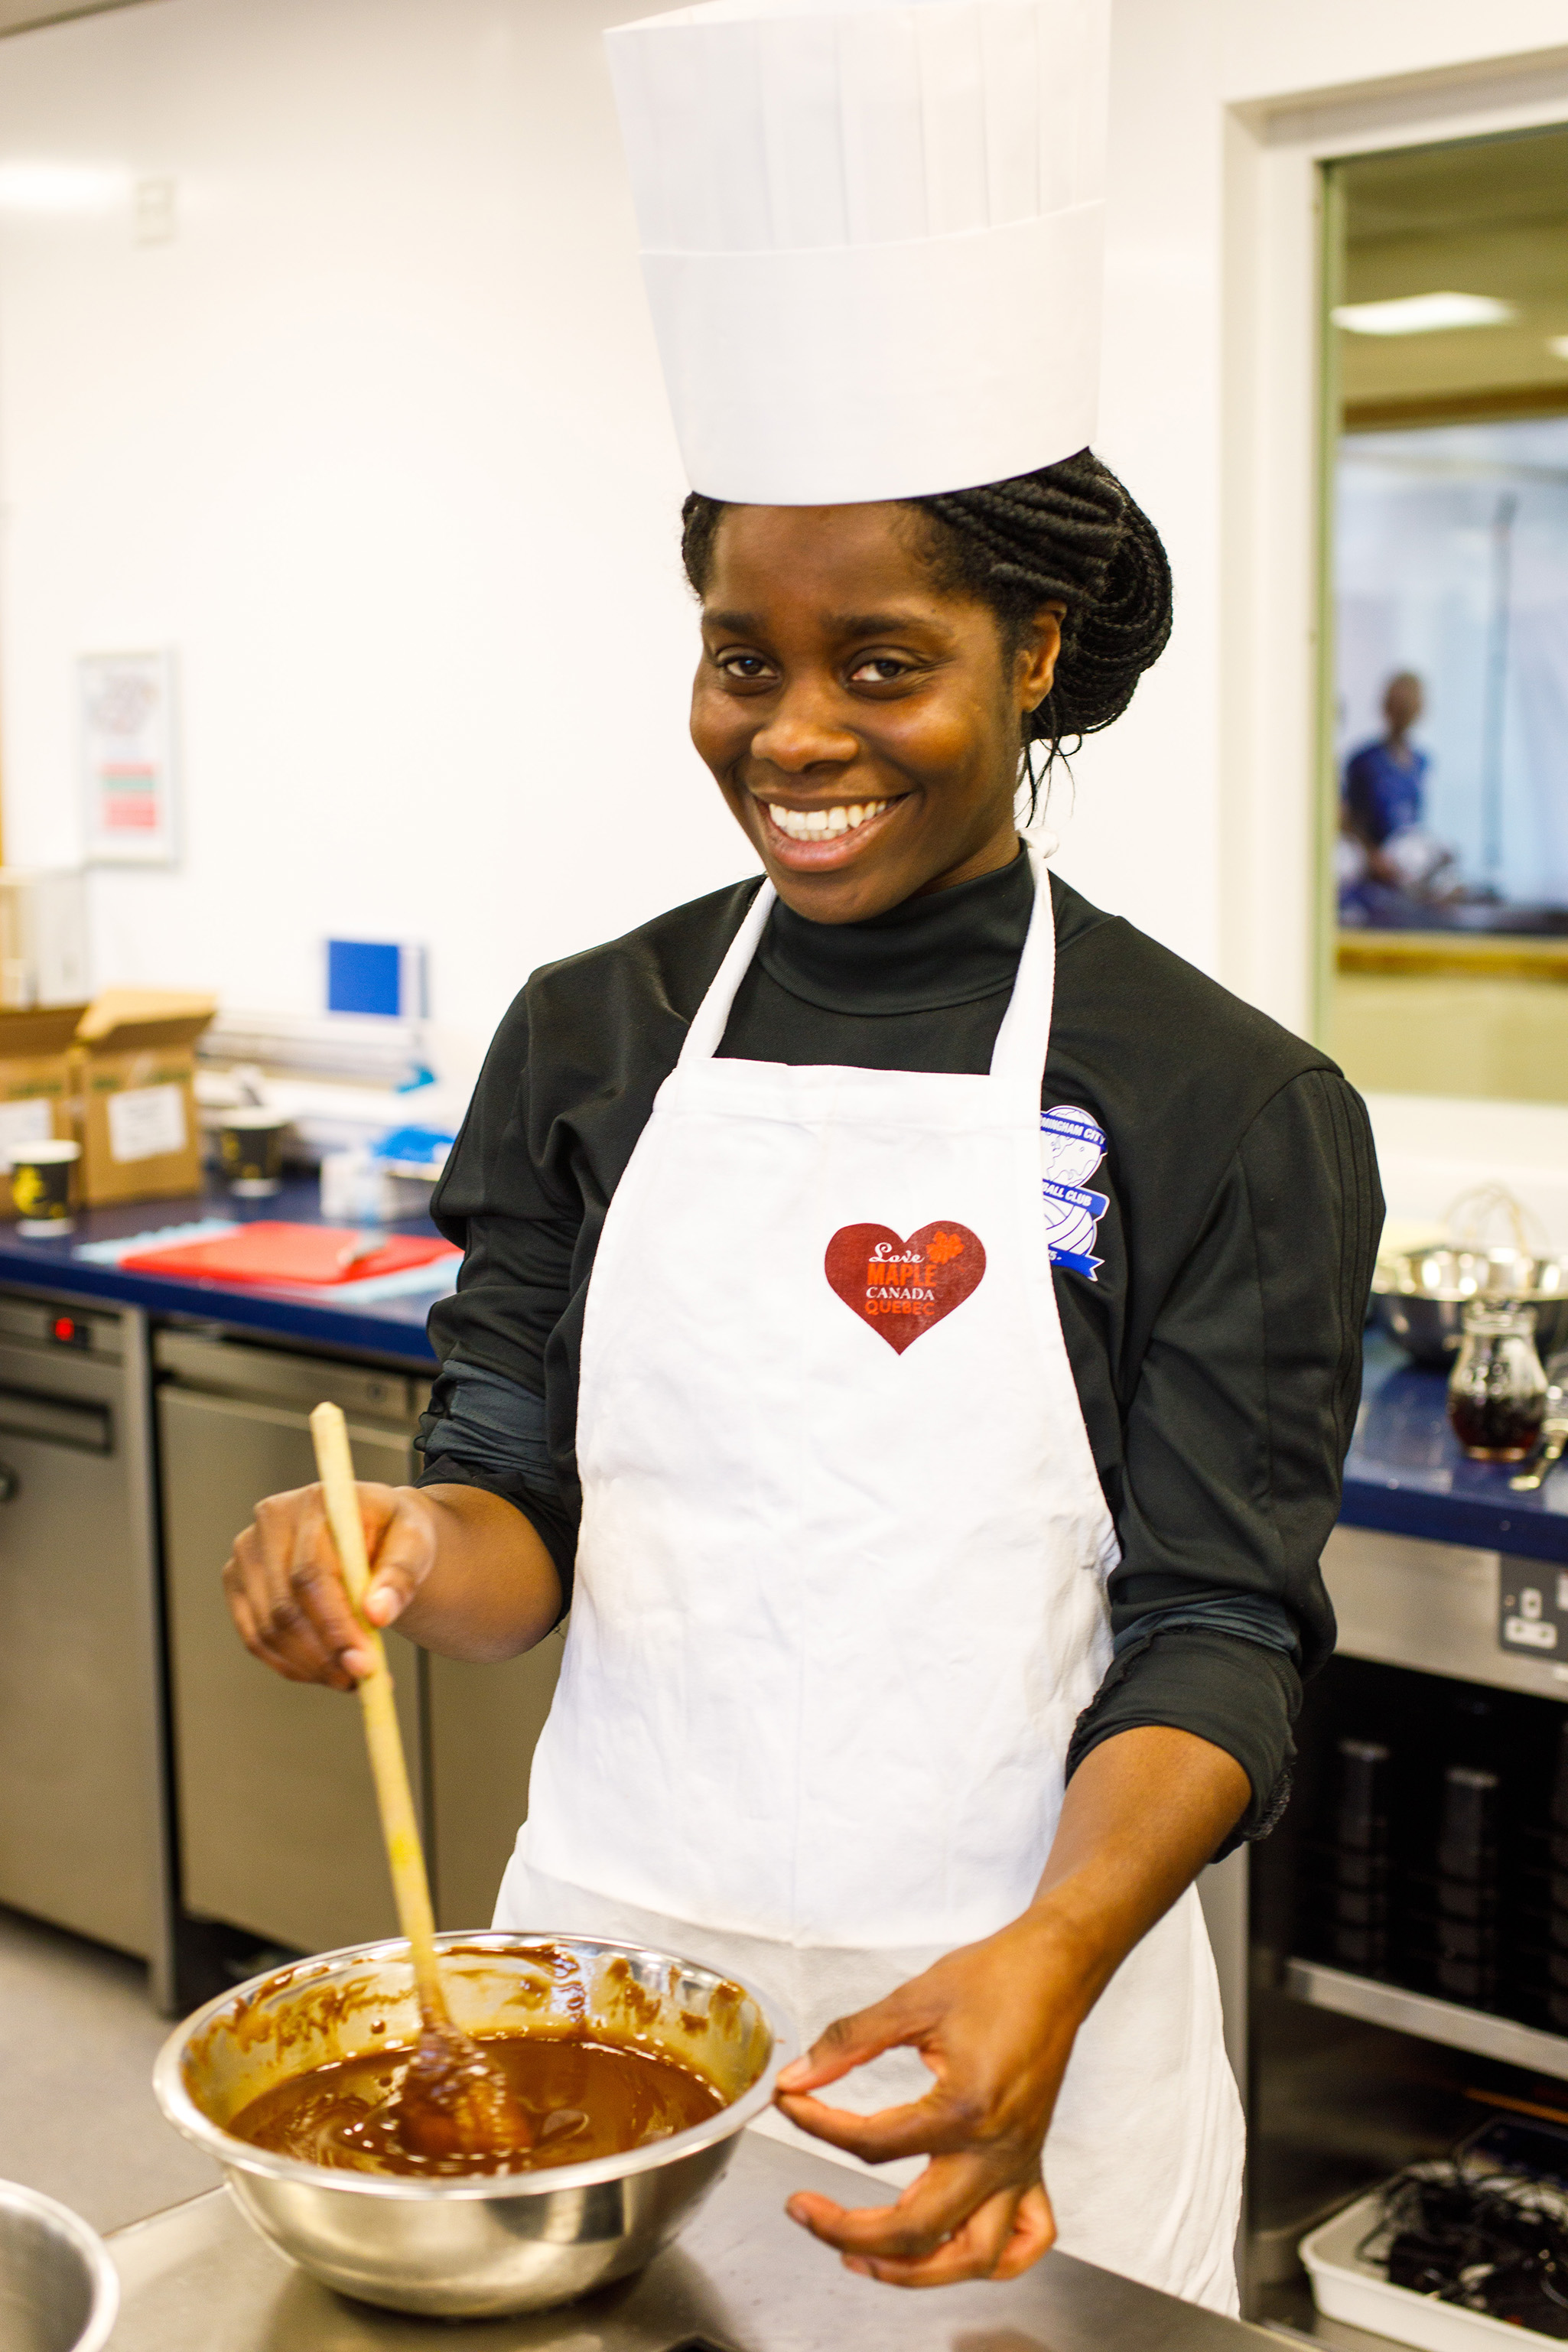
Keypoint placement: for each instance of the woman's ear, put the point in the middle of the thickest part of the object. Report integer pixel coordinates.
(1037, 655)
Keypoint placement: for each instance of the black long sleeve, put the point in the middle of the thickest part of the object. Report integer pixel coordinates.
(1216, 1349)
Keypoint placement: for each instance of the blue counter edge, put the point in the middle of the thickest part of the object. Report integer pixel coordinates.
(391, 1328)
(1456, 1520)
(362, 1332)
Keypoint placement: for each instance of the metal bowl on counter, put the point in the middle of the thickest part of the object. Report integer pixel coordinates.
(1419, 1296)
(472, 2246)
(58, 2290)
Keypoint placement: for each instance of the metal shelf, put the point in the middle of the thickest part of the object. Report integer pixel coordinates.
(1474, 2029)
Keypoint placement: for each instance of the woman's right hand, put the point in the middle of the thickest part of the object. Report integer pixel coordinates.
(286, 1591)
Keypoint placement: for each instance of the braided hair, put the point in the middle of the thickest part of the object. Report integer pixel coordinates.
(1068, 534)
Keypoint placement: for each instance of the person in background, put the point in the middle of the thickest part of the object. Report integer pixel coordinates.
(1393, 872)
(1383, 787)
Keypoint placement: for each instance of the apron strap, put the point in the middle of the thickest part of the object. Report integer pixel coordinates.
(707, 1030)
(1018, 1057)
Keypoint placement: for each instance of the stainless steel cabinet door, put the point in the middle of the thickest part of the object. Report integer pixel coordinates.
(278, 1826)
(76, 1826)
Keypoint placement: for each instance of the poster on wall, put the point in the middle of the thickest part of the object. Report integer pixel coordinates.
(128, 737)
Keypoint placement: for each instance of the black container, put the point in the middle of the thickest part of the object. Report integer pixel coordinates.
(1467, 1885)
(1560, 1796)
(1361, 1866)
(1467, 1838)
(1361, 1824)
(1466, 1939)
(1557, 1894)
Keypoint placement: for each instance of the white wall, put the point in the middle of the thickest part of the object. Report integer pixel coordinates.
(377, 442)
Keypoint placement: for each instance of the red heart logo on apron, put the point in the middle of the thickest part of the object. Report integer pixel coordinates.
(903, 1288)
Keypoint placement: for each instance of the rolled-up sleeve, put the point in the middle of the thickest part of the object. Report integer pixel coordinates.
(518, 1229)
(482, 1430)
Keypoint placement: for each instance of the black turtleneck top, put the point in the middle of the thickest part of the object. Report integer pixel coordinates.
(1215, 1338)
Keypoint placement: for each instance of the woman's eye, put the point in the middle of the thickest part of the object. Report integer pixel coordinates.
(882, 669)
(749, 666)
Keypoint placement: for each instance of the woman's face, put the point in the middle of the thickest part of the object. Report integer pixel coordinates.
(863, 724)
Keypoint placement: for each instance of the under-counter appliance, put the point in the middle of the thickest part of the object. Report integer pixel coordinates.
(79, 1841)
(1408, 1957)
(275, 1810)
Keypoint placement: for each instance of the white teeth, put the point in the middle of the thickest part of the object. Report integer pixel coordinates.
(816, 825)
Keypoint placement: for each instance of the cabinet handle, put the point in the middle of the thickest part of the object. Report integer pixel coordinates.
(10, 1484)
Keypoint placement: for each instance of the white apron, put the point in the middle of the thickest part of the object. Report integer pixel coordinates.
(840, 1595)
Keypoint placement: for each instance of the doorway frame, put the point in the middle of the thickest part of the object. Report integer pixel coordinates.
(1277, 399)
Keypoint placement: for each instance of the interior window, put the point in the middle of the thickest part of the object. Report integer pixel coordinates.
(1448, 355)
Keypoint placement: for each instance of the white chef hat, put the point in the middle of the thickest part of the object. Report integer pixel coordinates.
(871, 235)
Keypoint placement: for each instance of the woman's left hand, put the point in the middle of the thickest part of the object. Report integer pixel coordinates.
(995, 2022)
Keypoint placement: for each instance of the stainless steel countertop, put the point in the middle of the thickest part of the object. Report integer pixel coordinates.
(742, 2278)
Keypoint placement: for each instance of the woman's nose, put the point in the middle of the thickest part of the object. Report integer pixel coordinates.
(802, 731)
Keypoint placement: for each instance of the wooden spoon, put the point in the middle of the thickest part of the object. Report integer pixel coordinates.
(452, 2102)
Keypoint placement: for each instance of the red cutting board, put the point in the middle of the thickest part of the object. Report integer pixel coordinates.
(270, 1250)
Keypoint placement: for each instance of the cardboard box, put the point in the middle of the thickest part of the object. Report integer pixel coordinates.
(136, 1068)
(37, 1082)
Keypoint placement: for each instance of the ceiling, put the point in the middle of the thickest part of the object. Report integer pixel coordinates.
(1483, 216)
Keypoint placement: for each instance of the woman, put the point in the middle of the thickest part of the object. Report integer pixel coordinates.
(913, 1321)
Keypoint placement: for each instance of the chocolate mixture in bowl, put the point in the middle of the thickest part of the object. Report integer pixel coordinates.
(583, 2098)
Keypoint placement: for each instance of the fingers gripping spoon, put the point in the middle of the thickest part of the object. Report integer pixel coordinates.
(452, 2102)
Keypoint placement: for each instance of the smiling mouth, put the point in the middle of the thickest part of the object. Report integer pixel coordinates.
(823, 824)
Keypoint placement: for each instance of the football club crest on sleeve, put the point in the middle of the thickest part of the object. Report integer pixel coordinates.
(1072, 1146)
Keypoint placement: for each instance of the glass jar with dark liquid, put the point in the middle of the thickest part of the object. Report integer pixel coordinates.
(1497, 1391)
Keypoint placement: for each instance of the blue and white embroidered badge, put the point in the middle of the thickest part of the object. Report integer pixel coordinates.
(1072, 1147)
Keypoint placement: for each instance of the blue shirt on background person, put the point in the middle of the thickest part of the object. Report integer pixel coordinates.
(1384, 797)
(1382, 789)
(1384, 781)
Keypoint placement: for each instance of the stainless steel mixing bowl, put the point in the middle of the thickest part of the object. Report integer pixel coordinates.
(58, 2290)
(1420, 1297)
(478, 2247)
